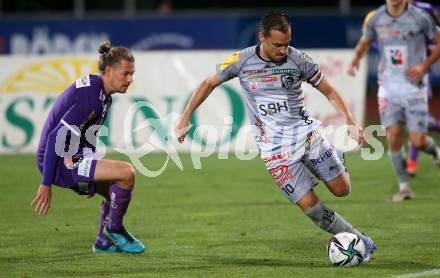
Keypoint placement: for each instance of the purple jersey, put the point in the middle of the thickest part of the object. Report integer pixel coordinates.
(79, 109)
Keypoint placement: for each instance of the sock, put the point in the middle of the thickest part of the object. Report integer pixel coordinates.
(330, 221)
(101, 240)
(119, 201)
(398, 161)
(431, 148)
(413, 152)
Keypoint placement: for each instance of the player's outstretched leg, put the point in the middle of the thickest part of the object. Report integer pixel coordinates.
(114, 230)
(432, 149)
(426, 144)
(102, 243)
(330, 221)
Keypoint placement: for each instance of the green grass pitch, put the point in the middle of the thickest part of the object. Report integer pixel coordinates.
(228, 219)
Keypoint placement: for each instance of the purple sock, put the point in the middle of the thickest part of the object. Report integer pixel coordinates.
(119, 201)
(413, 153)
(436, 127)
(101, 239)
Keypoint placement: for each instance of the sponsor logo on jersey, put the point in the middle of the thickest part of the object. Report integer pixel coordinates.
(396, 57)
(285, 71)
(254, 71)
(264, 79)
(83, 82)
(269, 79)
(304, 114)
(84, 167)
(281, 174)
(394, 32)
(273, 108)
(287, 81)
(322, 157)
(282, 156)
(253, 86)
(259, 123)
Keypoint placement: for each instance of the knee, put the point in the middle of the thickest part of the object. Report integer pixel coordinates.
(394, 141)
(419, 143)
(128, 175)
(342, 190)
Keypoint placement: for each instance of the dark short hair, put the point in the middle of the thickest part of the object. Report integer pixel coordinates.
(111, 55)
(274, 20)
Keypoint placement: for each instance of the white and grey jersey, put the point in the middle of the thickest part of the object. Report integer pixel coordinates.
(273, 95)
(401, 44)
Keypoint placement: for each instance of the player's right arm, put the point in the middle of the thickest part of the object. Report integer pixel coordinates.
(364, 43)
(70, 121)
(43, 197)
(361, 49)
(225, 71)
(203, 91)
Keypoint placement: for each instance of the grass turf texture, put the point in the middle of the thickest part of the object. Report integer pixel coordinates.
(227, 220)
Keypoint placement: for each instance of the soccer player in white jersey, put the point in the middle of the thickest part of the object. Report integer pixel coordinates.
(292, 148)
(401, 30)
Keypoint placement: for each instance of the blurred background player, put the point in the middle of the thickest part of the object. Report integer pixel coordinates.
(66, 152)
(433, 123)
(270, 75)
(401, 31)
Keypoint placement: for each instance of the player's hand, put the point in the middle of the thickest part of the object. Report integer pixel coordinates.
(356, 132)
(353, 67)
(42, 199)
(182, 128)
(415, 73)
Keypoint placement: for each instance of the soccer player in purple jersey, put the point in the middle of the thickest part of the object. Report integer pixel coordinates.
(67, 146)
(433, 123)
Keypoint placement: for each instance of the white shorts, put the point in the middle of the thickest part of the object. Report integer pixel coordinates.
(410, 110)
(293, 170)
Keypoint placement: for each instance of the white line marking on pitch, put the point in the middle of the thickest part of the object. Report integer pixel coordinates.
(420, 274)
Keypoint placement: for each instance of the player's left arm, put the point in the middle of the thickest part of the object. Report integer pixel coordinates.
(338, 102)
(417, 72)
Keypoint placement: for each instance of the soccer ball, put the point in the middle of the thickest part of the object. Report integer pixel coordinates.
(345, 249)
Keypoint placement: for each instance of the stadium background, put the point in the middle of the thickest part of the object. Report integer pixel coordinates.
(77, 27)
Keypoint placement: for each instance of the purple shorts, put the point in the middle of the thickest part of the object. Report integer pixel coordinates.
(76, 173)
